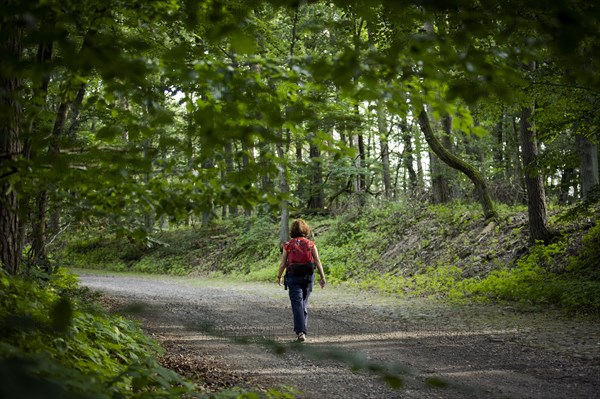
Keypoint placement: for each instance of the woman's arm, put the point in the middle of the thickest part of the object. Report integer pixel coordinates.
(282, 266)
(315, 253)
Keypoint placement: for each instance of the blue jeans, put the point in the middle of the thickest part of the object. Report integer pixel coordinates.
(299, 288)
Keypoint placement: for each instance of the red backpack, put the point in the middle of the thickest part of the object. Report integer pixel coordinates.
(300, 258)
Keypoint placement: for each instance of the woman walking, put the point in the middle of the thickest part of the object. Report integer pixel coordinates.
(299, 259)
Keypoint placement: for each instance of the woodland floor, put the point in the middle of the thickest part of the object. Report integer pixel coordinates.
(481, 351)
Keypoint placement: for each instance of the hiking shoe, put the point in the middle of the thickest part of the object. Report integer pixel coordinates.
(301, 337)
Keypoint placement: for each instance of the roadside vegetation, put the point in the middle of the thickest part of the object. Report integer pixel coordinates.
(58, 343)
(401, 248)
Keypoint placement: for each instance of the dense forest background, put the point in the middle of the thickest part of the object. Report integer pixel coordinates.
(445, 148)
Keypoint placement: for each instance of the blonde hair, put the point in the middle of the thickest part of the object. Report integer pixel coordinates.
(299, 229)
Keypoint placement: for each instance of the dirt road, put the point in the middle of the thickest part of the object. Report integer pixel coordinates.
(479, 351)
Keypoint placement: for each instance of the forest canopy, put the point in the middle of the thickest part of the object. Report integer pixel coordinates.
(131, 115)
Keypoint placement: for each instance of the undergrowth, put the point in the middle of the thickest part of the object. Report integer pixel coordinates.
(403, 248)
(56, 345)
(59, 343)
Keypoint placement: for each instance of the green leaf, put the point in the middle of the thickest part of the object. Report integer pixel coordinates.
(242, 43)
(109, 133)
(62, 314)
(479, 131)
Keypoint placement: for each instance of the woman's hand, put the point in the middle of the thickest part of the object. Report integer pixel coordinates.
(279, 280)
(322, 282)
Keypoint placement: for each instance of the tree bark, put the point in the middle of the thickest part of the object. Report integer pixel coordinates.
(284, 190)
(382, 127)
(245, 163)
(454, 162)
(407, 156)
(233, 209)
(316, 200)
(440, 171)
(207, 214)
(534, 182)
(588, 153)
(11, 145)
(38, 233)
(566, 182)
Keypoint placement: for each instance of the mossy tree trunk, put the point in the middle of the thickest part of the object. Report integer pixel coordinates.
(485, 197)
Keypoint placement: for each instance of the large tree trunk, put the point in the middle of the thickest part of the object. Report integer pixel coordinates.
(454, 162)
(534, 182)
(11, 146)
(588, 153)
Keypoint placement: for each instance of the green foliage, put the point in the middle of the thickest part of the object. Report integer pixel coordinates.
(59, 345)
(244, 246)
(589, 207)
(403, 248)
(254, 245)
(530, 281)
(587, 260)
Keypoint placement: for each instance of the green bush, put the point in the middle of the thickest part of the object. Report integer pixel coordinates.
(533, 282)
(587, 261)
(54, 346)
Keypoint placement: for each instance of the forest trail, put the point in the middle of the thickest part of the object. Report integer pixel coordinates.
(482, 351)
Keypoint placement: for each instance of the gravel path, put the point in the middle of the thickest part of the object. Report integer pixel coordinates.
(479, 351)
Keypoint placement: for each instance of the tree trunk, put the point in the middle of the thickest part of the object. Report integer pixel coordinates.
(233, 209)
(38, 233)
(316, 200)
(439, 171)
(41, 215)
(454, 162)
(518, 174)
(588, 153)
(361, 178)
(11, 146)
(499, 159)
(419, 159)
(566, 182)
(245, 163)
(266, 183)
(407, 155)
(534, 182)
(284, 189)
(207, 214)
(75, 110)
(38, 245)
(382, 127)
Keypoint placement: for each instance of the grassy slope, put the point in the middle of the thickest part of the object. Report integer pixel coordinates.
(401, 248)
